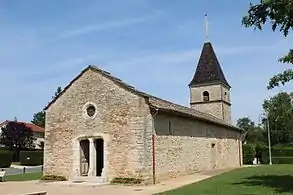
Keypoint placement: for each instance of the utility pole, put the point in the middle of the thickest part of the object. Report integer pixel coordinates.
(269, 140)
(266, 115)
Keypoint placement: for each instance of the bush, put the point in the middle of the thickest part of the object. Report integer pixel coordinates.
(31, 158)
(280, 155)
(249, 153)
(259, 150)
(282, 160)
(282, 151)
(121, 180)
(53, 178)
(5, 158)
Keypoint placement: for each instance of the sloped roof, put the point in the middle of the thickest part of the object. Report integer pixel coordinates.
(33, 127)
(208, 69)
(154, 102)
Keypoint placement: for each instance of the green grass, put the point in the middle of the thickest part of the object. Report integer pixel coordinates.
(15, 163)
(262, 180)
(24, 177)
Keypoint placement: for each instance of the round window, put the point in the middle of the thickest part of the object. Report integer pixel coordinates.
(91, 110)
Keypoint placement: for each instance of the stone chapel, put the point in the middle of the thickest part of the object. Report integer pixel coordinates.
(100, 128)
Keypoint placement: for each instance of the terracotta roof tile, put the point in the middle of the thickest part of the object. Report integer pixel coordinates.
(33, 127)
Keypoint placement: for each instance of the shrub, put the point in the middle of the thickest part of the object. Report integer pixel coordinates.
(259, 150)
(31, 158)
(5, 158)
(282, 160)
(124, 180)
(284, 151)
(280, 155)
(248, 153)
(53, 178)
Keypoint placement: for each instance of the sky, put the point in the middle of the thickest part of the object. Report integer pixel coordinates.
(153, 45)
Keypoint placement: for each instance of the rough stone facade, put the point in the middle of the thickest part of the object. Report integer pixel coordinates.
(123, 117)
(184, 146)
(218, 104)
(143, 136)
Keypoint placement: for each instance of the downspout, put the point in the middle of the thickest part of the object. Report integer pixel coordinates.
(153, 145)
(239, 151)
(241, 136)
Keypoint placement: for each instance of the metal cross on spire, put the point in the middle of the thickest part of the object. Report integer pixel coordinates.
(206, 28)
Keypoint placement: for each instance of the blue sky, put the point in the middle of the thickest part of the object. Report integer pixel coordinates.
(153, 45)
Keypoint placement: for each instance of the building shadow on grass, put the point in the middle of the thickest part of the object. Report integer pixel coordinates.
(281, 183)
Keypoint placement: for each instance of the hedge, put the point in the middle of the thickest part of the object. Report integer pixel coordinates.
(282, 160)
(5, 158)
(249, 153)
(126, 180)
(53, 178)
(279, 156)
(282, 151)
(31, 158)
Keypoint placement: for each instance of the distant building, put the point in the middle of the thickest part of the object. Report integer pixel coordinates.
(38, 132)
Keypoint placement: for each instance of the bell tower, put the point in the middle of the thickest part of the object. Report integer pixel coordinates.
(209, 89)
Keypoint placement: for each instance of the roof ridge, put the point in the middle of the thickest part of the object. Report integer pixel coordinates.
(185, 109)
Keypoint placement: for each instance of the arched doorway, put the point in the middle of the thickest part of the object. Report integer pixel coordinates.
(84, 157)
(99, 145)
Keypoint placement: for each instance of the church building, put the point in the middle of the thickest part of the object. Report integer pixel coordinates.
(100, 128)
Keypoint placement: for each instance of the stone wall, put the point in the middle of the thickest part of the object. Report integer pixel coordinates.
(184, 146)
(121, 115)
(214, 106)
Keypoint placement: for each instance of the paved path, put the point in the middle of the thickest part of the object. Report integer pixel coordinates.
(19, 188)
(17, 169)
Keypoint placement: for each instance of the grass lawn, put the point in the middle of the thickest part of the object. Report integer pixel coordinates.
(262, 180)
(24, 177)
(15, 163)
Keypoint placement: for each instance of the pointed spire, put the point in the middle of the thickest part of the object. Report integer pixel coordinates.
(208, 70)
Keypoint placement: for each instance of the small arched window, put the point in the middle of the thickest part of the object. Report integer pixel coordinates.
(206, 96)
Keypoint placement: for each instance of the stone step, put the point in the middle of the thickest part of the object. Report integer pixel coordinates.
(89, 180)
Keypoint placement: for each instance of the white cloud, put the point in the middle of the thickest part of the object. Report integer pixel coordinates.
(106, 26)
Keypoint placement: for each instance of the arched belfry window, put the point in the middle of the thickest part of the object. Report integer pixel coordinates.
(206, 96)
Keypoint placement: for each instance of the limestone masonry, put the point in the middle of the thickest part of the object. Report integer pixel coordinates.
(100, 128)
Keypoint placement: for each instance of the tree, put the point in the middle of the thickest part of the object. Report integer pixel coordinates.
(41, 145)
(39, 117)
(279, 14)
(17, 136)
(57, 92)
(279, 110)
(254, 133)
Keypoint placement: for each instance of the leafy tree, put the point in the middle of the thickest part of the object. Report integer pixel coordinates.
(279, 110)
(17, 136)
(57, 92)
(254, 133)
(39, 117)
(41, 145)
(279, 13)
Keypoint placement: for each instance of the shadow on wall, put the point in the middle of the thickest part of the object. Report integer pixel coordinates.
(281, 183)
(170, 125)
